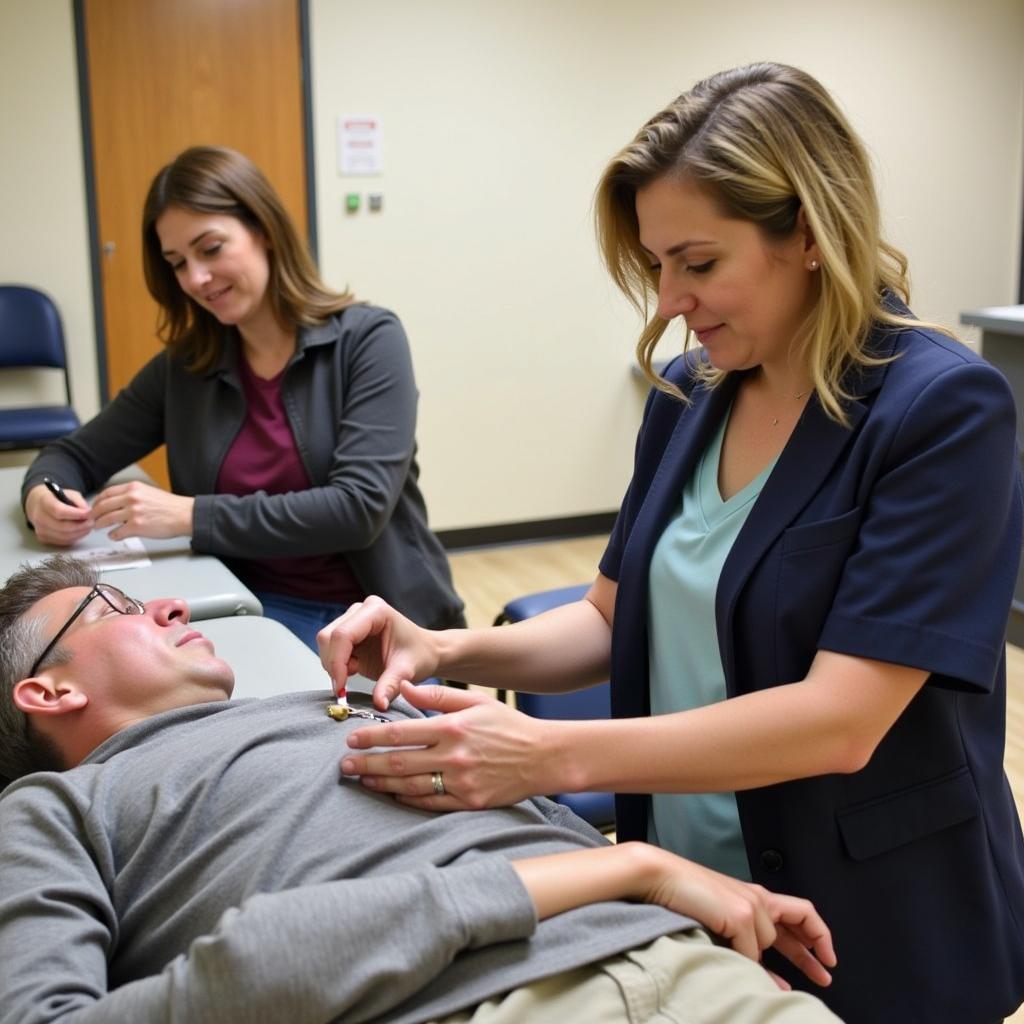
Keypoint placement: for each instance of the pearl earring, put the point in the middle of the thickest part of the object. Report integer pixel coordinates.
(814, 265)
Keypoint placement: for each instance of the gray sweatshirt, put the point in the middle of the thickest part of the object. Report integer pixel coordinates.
(210, 864)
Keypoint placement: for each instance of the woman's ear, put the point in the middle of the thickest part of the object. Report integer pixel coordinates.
(38, 695)
(811, 253)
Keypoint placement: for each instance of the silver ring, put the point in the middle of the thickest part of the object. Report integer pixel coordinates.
(438, 783)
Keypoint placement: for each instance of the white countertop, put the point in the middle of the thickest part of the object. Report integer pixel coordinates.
(1002, 319)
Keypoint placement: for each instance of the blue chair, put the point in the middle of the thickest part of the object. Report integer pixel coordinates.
(593, 702)
(31, 337)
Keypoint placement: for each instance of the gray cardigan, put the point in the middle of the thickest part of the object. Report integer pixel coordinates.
(350, 397)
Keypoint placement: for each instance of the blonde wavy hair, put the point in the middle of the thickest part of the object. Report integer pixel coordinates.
(765, 141)
(214, 179)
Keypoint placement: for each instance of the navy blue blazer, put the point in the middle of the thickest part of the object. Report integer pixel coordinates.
(896, 538)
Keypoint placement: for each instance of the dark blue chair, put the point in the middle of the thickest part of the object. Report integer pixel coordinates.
(31, 337)
(593, 702)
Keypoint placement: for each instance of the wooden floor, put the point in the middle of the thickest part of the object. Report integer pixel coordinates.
(488, 577)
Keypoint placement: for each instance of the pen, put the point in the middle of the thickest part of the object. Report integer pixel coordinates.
(57, 491)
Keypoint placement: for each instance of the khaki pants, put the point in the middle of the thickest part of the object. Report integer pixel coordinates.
(677, 979)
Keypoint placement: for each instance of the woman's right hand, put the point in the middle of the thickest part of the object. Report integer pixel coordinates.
(54, 522)
(371, 638)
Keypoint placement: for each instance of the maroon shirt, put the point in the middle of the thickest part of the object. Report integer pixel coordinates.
(263, 457)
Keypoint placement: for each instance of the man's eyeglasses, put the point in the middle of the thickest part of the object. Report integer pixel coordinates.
(117, 599)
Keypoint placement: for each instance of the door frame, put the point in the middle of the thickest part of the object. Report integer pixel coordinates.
(1020, 266)
(85, 117)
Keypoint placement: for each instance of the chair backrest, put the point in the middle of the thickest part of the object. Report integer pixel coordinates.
(528, 605)
(593, 702)
(577, 705)
(30, 329)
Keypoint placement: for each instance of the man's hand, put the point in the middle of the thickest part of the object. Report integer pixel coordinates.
(136, 509)
(749, 917)
(54, 522)
(488, 754)
(374, 640)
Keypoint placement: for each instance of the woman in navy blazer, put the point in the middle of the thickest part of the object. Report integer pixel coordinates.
(858, 613)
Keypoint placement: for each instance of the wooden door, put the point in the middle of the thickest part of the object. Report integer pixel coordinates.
(164, 75)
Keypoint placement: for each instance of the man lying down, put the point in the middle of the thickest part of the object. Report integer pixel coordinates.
(169, 854)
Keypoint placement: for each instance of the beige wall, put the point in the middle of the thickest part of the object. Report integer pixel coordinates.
(43, 224)
(498, 116)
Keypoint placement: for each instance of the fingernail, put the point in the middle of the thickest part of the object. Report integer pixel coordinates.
(348, 766)
(354, 740)
(368, 782)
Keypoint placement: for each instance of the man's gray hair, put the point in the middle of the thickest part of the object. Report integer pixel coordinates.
(22, 749)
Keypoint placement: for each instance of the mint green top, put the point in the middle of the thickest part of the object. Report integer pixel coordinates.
(686, 667)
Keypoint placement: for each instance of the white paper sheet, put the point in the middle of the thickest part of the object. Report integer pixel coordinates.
(106, 554)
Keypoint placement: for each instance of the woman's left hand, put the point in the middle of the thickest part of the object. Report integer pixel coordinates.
(136, 509)
(486, 753)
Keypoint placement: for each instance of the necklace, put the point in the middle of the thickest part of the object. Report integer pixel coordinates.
(340, 710)
(796, 398)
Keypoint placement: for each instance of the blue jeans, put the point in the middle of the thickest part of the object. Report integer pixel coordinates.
(304, 618)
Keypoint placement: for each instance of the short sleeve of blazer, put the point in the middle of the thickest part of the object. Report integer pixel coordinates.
(931, 575)
(611, 560)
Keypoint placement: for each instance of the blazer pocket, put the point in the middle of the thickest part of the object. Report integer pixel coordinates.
(884, 823)
(823, 533)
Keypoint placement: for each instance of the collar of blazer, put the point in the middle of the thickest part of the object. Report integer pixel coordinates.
(814, 447)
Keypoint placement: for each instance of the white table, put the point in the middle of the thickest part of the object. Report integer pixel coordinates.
(207, 584)
(269, 659)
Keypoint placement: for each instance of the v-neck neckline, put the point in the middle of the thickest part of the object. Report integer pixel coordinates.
(713, 507)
